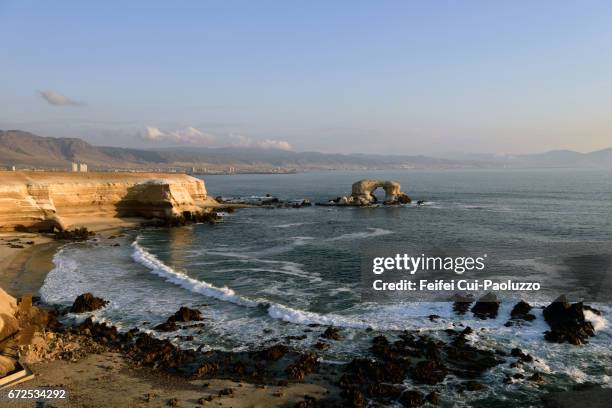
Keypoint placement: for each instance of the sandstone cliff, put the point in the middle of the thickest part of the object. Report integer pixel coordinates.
(41, 200)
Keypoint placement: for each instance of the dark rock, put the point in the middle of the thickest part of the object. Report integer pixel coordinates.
(536, 377)
(468, 361)
(461, 303)
(524, 357)
(87, 303)
(321, 346)
(403, 199)
(429, 372)
(185, 314)
(567, 322)
(412, 398)
(172, 402)
(77, 234)
(433, 317)
(355, 399)
(166, 327)
(304, 365)
(206, 369)
(519, 312)
(486, 307)
(367, 371)
(433, 398)
(331, 333)
(273, 353)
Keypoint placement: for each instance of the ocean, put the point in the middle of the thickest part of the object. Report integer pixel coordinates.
(262, 276)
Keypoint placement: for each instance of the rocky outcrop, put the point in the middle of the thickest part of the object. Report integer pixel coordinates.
(486, 307)
(183, 315)
(568, 322)
(87, 303)
(44, 201)
(362, 193)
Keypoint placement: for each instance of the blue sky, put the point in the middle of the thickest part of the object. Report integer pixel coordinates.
(407, 77)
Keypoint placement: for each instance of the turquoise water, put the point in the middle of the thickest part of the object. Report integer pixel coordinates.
(264, 274)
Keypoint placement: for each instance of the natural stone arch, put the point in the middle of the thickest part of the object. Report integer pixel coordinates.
(363, 193)
(363, 190)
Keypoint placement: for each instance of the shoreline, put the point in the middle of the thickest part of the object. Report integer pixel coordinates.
(25, 266)
(24, 269)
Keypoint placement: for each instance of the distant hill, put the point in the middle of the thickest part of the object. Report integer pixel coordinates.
(25, 149)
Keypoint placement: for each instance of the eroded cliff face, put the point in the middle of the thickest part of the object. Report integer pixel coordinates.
(40, 200)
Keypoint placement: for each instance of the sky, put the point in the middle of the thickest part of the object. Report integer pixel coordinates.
(391, 77)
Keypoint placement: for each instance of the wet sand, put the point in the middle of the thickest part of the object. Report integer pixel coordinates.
(23, 270)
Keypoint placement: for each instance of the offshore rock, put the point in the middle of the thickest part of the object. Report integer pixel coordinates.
(567, 322)
(87, 303)
(486, 307)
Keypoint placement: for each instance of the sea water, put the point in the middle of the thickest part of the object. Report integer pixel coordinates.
(263, 275)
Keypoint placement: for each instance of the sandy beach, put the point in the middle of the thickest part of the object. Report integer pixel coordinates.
(25, 260)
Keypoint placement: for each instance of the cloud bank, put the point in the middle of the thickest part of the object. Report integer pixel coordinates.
(193, 136)
(189, 135)
(245, 141)
(57, 99)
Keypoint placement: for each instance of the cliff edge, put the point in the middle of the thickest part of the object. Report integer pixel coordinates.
(43, 201)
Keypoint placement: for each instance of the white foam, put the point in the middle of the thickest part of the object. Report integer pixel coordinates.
(297, 316)
(598, 322)
(371, 232)
(291, 224)
(150, 261)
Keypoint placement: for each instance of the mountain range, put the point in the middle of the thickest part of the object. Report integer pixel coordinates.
(24, 149)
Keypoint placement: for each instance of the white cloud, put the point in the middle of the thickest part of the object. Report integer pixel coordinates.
(189, 135)
(245, 141)
(56, 98)
(194, 136)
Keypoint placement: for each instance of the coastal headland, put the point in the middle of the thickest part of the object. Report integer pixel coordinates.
(43, 201)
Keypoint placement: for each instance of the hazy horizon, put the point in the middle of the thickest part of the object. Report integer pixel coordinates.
(388, 77)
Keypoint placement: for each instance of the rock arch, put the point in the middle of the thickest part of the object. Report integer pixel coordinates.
(363, 190)
(362, 193)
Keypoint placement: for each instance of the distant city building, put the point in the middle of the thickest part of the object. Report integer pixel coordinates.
(83, 167)
(13, 168)
(75, 167)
